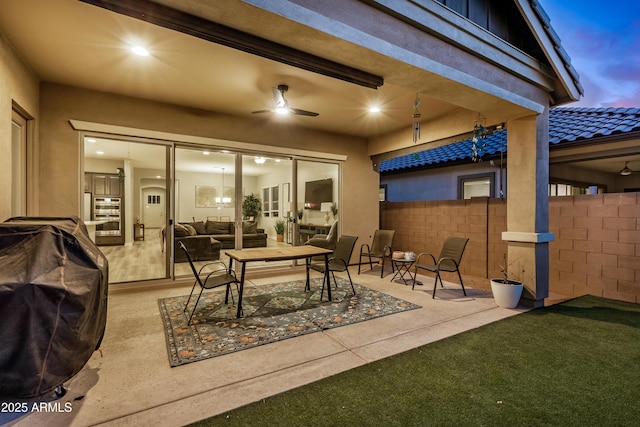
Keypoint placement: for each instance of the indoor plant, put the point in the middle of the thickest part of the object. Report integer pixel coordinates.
(506, 291)
(251, 207)
(279, 227)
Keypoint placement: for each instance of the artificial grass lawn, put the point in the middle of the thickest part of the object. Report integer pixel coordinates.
(571, 364)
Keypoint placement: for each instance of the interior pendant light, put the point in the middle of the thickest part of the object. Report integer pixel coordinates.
(222, 201)
(625, 170)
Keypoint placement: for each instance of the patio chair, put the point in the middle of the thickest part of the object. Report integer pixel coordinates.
(218, 276)
(449, 260)
(338, 262)
(380, 249)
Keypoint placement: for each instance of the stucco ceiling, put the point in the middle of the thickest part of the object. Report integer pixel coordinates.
(73, 43)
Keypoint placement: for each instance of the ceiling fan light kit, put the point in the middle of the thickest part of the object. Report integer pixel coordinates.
(625, 170)
(281, 105)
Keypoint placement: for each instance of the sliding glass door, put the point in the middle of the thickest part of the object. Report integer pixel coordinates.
(125, 205)
(205, 206)
(268, 178)
(141, 212)
(317, 206)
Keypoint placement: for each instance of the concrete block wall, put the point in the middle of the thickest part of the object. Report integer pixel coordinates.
(596, 249)
(597, 245)
(424, 226)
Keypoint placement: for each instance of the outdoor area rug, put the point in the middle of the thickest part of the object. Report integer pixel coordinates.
(272, 313)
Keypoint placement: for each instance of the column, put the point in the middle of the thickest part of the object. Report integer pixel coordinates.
(527, 232)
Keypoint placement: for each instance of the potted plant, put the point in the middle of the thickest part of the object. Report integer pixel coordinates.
(279, 227)
(334, 210)
(251, 206)
(506, 291)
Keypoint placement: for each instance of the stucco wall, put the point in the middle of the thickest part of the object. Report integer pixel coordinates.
(436, 184)
(60, 189)
(19, 85)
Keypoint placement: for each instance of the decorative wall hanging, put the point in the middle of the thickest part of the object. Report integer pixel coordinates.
(206, 196)
(416, 119)
(479, 133)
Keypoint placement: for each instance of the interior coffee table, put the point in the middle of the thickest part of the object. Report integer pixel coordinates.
(403, 268)
(243, 256)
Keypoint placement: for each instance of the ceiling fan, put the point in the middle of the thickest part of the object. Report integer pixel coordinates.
(281, 105)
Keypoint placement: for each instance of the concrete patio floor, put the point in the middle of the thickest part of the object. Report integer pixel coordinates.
(130, 381)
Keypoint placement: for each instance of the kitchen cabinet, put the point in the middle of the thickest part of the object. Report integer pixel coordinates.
(106, 185)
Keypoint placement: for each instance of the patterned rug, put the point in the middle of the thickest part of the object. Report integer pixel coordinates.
(271, 313)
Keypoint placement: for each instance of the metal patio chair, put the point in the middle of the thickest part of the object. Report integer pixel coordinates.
(339, 262)
(217, 277)
(449, 260)
(380, 249)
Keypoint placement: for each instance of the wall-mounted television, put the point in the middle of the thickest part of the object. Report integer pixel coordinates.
(317, 192)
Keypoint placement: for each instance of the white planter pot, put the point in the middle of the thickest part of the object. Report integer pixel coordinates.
(506, 295)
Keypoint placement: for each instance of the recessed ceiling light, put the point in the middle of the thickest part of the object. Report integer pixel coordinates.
(139, 50)
(374, 109)
(158, 176)
(91, 140)
(259, 160)
(206, 153)
(99, 153)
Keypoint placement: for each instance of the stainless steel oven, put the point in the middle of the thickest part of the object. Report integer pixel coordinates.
(107, 210)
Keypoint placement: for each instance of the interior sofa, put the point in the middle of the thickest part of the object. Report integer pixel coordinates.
(204, 239)
(327, 241)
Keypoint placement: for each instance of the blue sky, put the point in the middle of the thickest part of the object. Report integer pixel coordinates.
(603, 42)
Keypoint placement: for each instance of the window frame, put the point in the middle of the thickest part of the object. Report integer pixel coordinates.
(477, 177)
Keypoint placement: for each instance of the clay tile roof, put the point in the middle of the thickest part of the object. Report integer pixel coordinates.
(566, 125)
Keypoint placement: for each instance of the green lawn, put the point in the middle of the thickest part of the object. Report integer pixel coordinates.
(572, 364)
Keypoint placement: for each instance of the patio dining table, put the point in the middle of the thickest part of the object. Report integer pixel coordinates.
(243, 256)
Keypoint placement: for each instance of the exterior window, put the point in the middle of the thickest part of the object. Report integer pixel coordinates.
(476, 186)
(560, 189)
(382, 193)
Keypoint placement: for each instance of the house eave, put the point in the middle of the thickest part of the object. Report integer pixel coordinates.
(540, 25)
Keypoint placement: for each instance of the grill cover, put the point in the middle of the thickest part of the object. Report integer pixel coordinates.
(53, 303)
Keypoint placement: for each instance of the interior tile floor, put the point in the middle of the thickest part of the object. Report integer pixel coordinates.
(146, 260)
(129, 382)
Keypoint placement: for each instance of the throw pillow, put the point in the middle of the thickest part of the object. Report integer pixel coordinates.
(180, 231)
(190, 230)
(333, 231)
(249, 227)
(199, 227)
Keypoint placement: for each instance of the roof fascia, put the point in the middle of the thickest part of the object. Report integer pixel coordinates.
(545, 41)
(435, 18)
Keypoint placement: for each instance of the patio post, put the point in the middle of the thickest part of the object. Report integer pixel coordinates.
(527, 232)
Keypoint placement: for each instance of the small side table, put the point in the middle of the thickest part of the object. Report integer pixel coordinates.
(403, 268)
(138, 232)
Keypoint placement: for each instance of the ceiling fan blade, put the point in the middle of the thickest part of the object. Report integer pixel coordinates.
(281, 103)
(303, 112)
